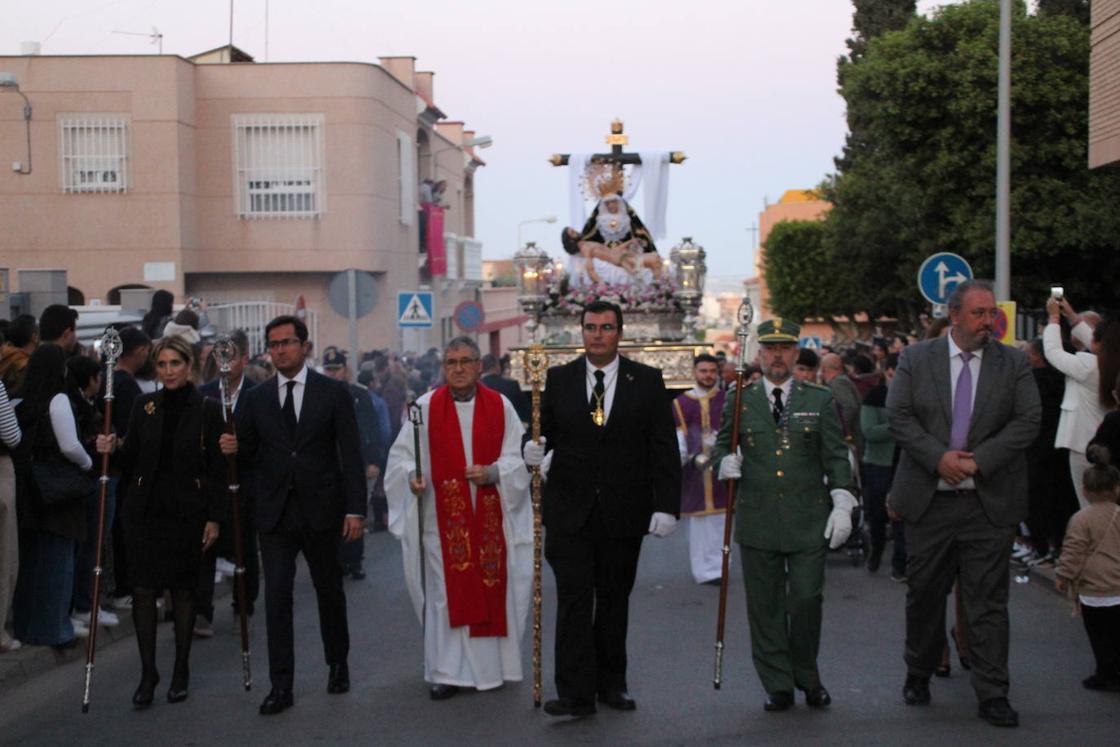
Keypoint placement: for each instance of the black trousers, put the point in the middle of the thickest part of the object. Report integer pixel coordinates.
(1103, 626)
(876, 486)
(955, 541)
(204, 598)
(279, 549)
(594, 576)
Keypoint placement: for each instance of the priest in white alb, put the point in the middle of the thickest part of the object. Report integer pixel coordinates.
(473, 593)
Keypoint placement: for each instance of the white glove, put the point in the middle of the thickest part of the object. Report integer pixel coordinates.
(662, 524)
(839, 525)
(731, 467)
(533, 452)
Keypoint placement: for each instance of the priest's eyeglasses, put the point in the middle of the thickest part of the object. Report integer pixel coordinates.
(459, 362)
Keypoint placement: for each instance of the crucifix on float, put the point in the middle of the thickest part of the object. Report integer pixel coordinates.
(614, 233)
(617, 139)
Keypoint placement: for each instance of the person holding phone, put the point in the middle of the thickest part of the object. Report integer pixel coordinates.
(1085, 401)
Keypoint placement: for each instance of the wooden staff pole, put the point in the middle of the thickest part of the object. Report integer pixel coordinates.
(746, 315)
(224, 352)
(110, 352)
(536, 365)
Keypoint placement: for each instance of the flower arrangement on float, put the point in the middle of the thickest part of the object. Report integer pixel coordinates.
(654, 296)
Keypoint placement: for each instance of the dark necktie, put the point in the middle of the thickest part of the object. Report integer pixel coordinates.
(778, 406)
(598, 391)
(289, 409)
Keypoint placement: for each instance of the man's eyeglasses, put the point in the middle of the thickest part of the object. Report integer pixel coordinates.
(459, 362)
(286, 342)
(604, 328)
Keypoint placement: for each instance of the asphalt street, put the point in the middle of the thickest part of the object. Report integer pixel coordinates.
(672, 629)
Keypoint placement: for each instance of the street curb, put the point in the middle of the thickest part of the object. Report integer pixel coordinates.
(19, 667)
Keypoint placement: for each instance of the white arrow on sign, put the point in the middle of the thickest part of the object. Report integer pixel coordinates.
(943, 280)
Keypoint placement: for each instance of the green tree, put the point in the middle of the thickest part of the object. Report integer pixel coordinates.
(799, 271)
(1078, 9)
(872, 18)
(923, 101)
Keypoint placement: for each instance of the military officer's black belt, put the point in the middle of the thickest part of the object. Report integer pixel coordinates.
(958, 491)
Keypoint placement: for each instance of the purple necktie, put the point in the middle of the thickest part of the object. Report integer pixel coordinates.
(962, 406)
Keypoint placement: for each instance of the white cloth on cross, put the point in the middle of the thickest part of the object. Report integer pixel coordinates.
(653, 170)
(452, 656)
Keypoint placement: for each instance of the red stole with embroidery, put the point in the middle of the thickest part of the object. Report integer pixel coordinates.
(471, 537)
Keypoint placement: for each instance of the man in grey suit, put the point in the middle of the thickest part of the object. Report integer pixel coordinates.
(964, 410)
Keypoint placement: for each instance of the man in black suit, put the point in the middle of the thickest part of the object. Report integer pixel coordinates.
(964, 409)
(373, 446)
(298, 428)
(239, 385)
(613, 475)
(492, 377)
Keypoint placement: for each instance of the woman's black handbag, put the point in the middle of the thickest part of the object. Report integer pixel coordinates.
(59, 481)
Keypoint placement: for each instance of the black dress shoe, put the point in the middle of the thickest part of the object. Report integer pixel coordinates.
(180, 681)
(568, 707)
(916, 690)
(145, 693)
(779, 701)
(339, 679)
(619, 700)
(1097, 682)
(998, 712)
(358, 574)
(817, 697)
(276, 701)
(874, 559)
(440, 691)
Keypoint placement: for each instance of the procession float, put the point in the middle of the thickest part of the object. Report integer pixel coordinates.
(610, 254)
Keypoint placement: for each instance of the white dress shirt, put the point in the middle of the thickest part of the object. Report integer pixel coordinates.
(956, 365)
(610, 378)
(786, 387)
(301, 384)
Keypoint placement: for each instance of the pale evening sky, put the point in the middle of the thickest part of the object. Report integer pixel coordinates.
(747, 88)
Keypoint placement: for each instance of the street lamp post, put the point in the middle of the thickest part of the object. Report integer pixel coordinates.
(546, 219)
(481, 141)
(1003, 157)
(9, 80)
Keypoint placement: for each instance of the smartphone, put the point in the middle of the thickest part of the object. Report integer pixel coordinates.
(1056, 291)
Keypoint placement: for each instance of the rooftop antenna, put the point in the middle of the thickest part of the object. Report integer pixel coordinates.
(155, 35)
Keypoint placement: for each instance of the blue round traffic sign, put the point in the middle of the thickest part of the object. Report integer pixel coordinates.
(469, 315)
(940, 274)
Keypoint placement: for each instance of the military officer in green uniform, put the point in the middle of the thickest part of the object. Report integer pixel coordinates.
(786, 514)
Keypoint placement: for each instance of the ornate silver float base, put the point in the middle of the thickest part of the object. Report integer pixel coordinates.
(561, 328)
(674, 359)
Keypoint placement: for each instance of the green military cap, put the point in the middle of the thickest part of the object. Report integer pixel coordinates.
(779, 330)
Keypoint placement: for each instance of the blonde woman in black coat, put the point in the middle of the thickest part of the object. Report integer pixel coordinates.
(176, 497)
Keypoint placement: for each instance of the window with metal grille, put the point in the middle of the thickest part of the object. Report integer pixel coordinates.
(278, 165)
(93, 153)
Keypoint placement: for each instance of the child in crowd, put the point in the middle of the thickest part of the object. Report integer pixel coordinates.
(1089, 567)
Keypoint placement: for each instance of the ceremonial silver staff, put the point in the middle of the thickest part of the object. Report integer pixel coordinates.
(110, 351)
(745, 315)
(535, 362)
(224, 352)
(416, 417)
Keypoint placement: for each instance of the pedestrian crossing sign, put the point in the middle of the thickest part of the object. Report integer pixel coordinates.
(414, 309)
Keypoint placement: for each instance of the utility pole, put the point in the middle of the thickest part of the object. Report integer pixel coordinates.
(1003, 158)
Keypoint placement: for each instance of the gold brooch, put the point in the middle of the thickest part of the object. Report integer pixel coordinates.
(150, 407)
